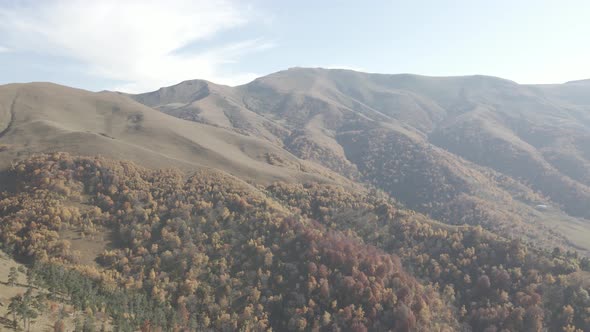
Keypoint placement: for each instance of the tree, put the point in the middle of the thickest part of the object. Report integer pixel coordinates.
(483, 283)
(89, 325)
(28, 308)
(533, 319)
(21, 306)
(59, 326)
(404, 318)
(12, 277)
(14, 309)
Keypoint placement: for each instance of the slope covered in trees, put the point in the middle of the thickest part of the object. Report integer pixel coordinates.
(496, 284)
(221, 254)
(208, 251)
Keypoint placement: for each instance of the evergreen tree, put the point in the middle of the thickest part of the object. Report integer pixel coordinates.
(12, 277)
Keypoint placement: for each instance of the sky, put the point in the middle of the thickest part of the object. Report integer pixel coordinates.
(142, 45)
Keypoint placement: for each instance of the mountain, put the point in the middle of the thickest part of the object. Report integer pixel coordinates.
(438, 144)
(307, 200)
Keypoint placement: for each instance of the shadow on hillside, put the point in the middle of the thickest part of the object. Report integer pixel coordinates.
(7, 182)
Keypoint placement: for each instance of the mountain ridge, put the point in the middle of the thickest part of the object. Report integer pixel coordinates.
(112, 124)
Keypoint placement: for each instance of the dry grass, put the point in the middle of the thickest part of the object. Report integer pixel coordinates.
(50, 118)
(87, 247)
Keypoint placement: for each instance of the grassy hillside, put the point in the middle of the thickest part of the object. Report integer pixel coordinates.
(46, 117)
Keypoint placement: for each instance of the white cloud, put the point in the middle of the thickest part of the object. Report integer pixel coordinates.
(4, 49)
(132, 40)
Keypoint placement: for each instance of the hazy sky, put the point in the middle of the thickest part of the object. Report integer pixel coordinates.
(143, 45)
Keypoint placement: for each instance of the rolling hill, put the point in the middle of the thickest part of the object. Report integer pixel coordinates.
(44, 117)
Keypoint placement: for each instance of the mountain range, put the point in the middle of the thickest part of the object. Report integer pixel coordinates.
(430, 142)
(489, 163)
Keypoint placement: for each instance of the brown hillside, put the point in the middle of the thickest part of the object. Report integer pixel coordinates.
(43, 117)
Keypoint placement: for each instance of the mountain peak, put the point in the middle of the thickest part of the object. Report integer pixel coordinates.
(185, 92)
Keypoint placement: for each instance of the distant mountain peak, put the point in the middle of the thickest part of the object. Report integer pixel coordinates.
(185, 91)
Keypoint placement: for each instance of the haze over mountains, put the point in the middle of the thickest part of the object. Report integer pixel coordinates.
(433, 181)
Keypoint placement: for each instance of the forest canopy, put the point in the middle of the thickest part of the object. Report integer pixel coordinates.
(208, 251)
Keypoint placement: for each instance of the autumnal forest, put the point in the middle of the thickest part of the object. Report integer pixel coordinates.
(206, 251)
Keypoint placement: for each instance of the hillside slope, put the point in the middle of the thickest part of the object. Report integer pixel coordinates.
(205, 251)
(43, 117)
(474, 149)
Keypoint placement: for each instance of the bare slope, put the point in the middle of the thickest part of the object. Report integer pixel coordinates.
(42, 117)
